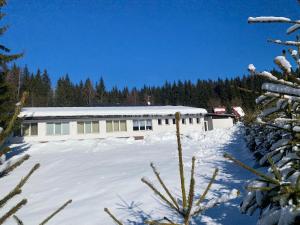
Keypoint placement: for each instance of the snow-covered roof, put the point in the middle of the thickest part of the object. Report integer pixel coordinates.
(108, 111)
(239, 110)
(220, 109)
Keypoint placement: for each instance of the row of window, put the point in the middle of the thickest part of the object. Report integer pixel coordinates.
(92, 127)
(183, 121)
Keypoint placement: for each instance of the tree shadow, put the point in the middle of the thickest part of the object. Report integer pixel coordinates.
(17, 150)
(225, 213)
(229, 213)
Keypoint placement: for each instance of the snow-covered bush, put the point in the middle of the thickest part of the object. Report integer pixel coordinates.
(275, 139)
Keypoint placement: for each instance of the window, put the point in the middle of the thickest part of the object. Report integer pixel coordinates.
(109, 126)
(191, 120)
(116, 125)
(57, 129)
(135, 125)
(87, 127)
(95, 127)
(174, 121)
(49, 128)
(205, 125)
(198, 120)
(142, 125)
(167, 121)
(65, 129)
(80, 127)
(148, 124)
(30, 129)
(159, 121)
(123, 126)
(183, 121)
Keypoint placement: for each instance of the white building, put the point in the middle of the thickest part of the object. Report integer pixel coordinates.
(65, 123)
(217, 121)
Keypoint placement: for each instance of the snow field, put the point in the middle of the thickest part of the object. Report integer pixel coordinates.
(107, 173)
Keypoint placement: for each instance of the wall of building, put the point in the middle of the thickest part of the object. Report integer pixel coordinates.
(73, 135)
(222, 122)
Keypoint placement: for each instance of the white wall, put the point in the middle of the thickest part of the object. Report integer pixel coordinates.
(73, 135)
(222, 122)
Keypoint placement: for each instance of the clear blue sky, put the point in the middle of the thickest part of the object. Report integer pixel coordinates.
(144, 42)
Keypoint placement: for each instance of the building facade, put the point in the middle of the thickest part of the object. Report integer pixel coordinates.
(67, 123)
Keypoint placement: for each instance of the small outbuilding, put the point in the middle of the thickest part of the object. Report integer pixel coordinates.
(214, 121)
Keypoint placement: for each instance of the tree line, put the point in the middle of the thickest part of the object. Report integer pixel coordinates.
(202, 93)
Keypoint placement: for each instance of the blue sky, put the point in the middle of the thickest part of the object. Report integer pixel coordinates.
(145, 42)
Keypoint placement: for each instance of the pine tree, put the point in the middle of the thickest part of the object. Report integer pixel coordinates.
(100, 92)
(88, 93)
(64, 92)
(276, 194)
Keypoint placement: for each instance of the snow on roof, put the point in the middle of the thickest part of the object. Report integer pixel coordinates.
(239, 110)
(220, 109)
(108, 111)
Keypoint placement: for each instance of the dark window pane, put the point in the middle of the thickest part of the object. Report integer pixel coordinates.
(34, 129)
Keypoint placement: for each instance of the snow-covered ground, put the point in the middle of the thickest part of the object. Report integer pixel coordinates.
(107, 173)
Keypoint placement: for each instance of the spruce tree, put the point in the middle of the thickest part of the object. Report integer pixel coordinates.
(100, 92)
(276, 138)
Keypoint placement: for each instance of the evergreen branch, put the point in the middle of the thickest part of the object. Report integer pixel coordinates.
(171, 222)
(191, 191)
(275, 169)
(181, 171)
(14, 166)
(18, 187)
(10, 195)
(270, 179)
(213, 178)
(248, 90)
(164, 186)
(112, 216)
(24, 180)
(272, 20)
(13, 210)
(55, 212)
(18, 220)
(11, 123)
(286, 43)
(250, 188)
(151, 186)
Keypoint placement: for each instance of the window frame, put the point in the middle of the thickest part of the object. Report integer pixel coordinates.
(159, 122)
(116, 123)
(145, 123)
(167, 121)
(61, 130)
(29, 129)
